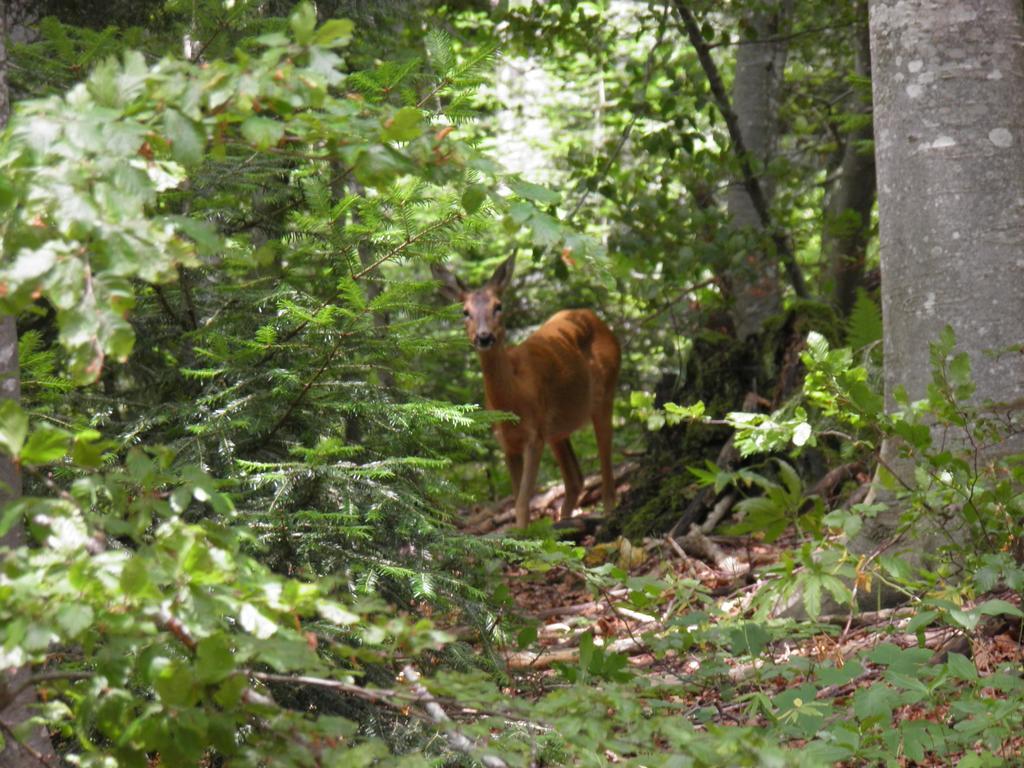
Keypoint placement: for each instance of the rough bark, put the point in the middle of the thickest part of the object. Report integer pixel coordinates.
(760, 64)
(847, 215)
(20, 707)
(949, 133)
(12, 16)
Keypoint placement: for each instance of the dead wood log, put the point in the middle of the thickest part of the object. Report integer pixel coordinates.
(830, 482)
(525, 660)
(494, 517)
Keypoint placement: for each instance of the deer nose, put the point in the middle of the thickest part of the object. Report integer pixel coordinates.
(484, 339)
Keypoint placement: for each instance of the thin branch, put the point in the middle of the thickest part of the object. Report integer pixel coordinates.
(456, 740)
(750, 182)
(439, 224)
(162, 298)
(44, 677)
(308, 386)
(648, 70)
(186, 291)
(375, 695)
(222, 24)
(785, 38)
(34, 753)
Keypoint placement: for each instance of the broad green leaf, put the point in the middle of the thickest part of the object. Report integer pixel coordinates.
(334, 32)
(473, 197)
(75, 618)
(135, 577)
(750, 638)
(999, 608)
(214, 660)
(254, 621)
(533, 192)
(961, 667)
(13, 427)
(404, 125)
(336, 614)
(174, 683)
(303, 22)
(187, 143)
(875, 702)
(262, 131)
(46, 445)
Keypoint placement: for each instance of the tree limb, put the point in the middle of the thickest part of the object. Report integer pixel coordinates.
(750, 182)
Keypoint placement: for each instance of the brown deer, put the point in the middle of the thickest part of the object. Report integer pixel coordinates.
(562, 376)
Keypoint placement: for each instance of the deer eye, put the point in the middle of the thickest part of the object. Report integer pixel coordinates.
(497, 308)
(465, 313)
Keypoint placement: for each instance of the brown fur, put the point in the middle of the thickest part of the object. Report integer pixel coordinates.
(561, 377)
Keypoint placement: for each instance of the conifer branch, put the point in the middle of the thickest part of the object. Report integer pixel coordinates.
(439, 224)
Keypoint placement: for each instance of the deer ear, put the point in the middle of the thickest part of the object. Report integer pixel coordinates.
(452, 288)
(503, 275)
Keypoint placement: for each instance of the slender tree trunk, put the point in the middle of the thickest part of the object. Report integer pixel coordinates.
(949, 127)
(19, 708)
(847, 215)
(760, 65)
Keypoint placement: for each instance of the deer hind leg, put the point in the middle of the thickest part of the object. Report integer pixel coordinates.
(571, 474)
(603, 433)
(514, 462)
(528, 481)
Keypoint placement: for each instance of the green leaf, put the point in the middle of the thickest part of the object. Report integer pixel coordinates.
(998, 608)
(749, 638)
(533, 192)
(303, 22)
(187, 143)
(174, 682)
(135, 577)
(334, 32)
(527, 636)
(74, 618)
(545, 229)
(473, 197)
(46, 445)
(875, 702)
(336, 614)
(961, 667)
(262, 131)
(404, 125)
(214, 660)
(13, 427)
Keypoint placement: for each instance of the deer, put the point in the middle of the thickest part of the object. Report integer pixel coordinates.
(562, 376)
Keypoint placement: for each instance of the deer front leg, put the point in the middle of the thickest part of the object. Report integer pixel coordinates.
(531, 465)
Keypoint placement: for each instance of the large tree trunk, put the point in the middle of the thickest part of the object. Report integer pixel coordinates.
(949, 128)
(847, 215)
(760, 65)
(18, 709)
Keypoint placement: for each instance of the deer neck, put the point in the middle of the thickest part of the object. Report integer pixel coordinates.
(499, 376)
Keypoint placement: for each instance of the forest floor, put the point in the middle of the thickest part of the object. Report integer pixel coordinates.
(574, 608)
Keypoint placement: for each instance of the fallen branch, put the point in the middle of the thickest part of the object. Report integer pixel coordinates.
(496, 516)
(576, 608)
(545, 658)
(456, 740)
(827, 486)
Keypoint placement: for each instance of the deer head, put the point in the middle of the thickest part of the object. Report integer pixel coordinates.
(480, 307)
